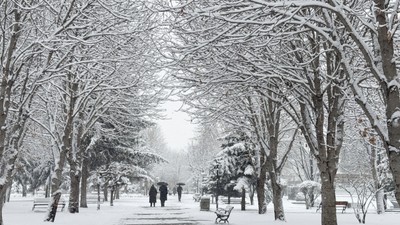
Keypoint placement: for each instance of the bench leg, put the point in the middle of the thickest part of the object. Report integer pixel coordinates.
(225, 220)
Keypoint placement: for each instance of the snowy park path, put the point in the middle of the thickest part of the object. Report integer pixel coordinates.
(136, 210)
(174, 213)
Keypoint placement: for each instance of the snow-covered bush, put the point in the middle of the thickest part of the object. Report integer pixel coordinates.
(310, 190)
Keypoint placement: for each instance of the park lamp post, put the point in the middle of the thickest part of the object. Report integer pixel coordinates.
(216, 168)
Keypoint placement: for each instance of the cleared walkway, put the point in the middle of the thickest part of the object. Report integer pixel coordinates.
(174, 213)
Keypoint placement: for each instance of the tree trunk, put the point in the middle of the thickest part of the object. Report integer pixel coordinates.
(380, 206)
(112, 197)
(251, 194)
(85, 175)
(47, 188)
(56, 180)
(374, 161)
(24, 189)
(307, 199)
(105, 192)
(277, 198)
(328, 197)
(311, 197)
(118, 189)
(98, 197)
(216, 201)
(53, 206)
(243, 202)
(260, 189)
(394, 162)
(2, 195)
(8, 193)
(74, 158)
(272, 160)
(73, 204)
(1, 214)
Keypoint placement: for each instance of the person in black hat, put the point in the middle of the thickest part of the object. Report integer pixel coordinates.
(153, 196)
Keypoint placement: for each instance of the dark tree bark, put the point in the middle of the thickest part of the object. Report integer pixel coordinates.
(73, 204)
(243, 201)
(98, 197)
(84, 177)
(260, 189)
(112, 192)
(105, 192)
(53, 207)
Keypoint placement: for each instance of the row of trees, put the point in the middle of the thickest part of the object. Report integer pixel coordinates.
(79, 82)
(281, 70)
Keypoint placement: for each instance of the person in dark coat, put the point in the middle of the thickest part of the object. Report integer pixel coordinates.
(153, 196)
(163, 194)
(179, 190)
(174, 190)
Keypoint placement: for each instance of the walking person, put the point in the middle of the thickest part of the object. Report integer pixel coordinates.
(179, 190)
(163, 194)
(153, 196)
(174, 190)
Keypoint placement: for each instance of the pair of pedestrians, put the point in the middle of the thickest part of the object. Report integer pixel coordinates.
(153, 195)
(163, 194)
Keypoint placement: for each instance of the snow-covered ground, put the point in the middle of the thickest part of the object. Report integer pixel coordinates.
(135, 210)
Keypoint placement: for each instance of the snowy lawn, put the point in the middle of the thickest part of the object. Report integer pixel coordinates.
(135, 210)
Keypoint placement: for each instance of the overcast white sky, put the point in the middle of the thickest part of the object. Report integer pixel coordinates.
(177, 129)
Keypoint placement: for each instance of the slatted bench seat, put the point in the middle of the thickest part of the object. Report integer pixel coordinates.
(44, 202)
(223, 214)
(342, 204)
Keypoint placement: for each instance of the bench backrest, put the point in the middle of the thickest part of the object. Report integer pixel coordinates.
(46, 200)
(40, 200)
(229, 209)
(341, 203)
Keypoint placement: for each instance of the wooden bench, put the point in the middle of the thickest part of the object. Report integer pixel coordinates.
(342, 204)
(44, 202)
(223, 214)
(232, 200)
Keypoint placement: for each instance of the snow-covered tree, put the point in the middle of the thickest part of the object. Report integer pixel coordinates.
(21, 73)
(202, 149)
